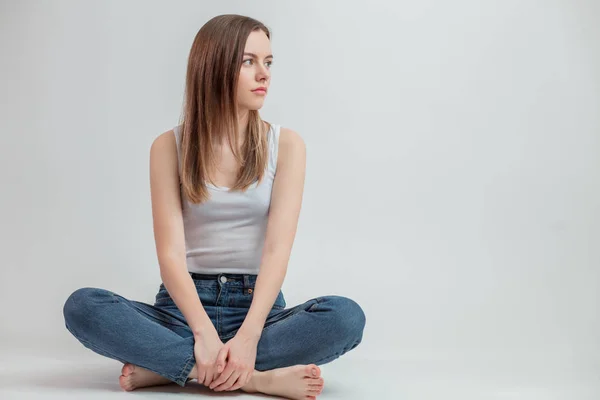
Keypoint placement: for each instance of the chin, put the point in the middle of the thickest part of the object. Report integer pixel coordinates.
(254, 106)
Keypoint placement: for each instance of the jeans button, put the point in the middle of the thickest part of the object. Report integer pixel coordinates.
(223, 279)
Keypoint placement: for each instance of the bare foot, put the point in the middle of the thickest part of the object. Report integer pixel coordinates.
(297, 382)
(134, 377)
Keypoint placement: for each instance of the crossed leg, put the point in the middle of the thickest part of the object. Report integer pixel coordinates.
(156, 345)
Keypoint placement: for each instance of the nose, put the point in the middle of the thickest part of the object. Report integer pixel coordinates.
(263, 73)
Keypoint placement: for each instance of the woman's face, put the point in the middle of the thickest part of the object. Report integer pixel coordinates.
(255, 72)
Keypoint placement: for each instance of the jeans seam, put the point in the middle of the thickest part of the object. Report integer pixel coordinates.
(337, 355)
(289, 316)
(157, 318)
(314, 306)
(332, 357)
(109, 354)
(185, 372)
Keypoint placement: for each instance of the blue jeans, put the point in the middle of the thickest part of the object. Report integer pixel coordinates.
(158, 338)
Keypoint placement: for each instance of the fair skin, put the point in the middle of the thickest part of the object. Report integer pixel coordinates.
(230, 366)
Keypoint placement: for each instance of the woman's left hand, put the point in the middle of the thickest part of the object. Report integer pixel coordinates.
(240, 353)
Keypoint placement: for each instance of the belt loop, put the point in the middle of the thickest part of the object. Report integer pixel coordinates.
(246, 281)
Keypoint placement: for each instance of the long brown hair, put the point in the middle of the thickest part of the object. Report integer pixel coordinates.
(210, 111)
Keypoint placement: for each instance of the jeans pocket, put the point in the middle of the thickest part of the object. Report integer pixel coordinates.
(163, 298)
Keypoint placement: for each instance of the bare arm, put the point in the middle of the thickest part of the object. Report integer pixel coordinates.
(169, 233)
(286, 201)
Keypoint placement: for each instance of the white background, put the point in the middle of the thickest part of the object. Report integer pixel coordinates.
(453, 173)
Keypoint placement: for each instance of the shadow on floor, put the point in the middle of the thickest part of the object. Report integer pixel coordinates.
(104, 379)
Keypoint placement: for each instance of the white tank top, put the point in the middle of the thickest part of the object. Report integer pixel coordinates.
(226, 233)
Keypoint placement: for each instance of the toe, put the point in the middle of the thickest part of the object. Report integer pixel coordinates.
(314, 387)
(316, 381)
(312, 370)
(124, 383)
(127, 369)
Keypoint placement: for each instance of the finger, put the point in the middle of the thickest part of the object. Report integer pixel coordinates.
(214, 375)
(221, 357)
(224, 376)
(201, 373)
(208, 378)
(241, 382)
(210, 375)
(229, 382)
(238, 382)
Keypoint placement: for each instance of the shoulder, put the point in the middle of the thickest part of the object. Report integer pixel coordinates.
(290, 140)
(164, 148)
(164, 140)
(292, 148)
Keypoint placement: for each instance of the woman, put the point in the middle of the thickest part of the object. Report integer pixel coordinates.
(226, 191)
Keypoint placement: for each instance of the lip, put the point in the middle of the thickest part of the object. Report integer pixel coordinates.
(260, 90)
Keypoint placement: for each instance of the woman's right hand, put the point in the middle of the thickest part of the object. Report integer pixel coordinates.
(206, 349)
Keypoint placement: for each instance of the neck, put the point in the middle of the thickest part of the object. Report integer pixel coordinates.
(243, 121)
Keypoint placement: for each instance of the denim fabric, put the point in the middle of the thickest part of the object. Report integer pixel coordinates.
(157, 337)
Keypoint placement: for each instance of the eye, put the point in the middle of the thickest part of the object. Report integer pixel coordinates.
(251, 60)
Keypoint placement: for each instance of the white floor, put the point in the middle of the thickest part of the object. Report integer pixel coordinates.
(83, 375)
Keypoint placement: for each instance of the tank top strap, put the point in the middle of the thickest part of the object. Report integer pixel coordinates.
(177, 131)
(274, 133)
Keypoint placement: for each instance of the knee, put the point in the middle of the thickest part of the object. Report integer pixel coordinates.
(79, 304)
(349, 319)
